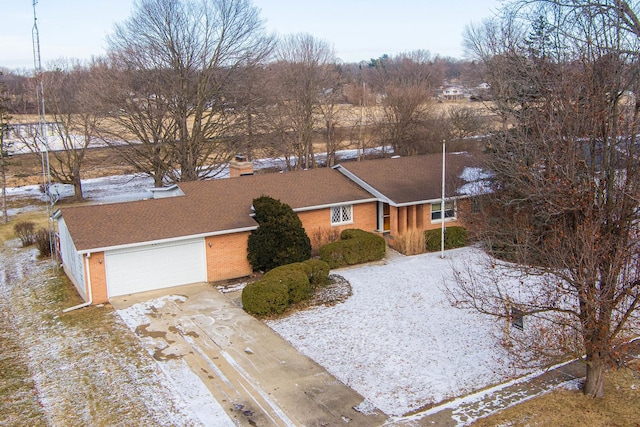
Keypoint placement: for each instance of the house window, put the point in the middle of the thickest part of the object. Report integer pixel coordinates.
(341, 214)
(436, 211)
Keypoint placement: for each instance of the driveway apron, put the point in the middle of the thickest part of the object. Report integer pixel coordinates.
(257, 377)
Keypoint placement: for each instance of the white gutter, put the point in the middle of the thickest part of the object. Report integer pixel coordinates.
(428, 202)
(88, 303)
(171, 239)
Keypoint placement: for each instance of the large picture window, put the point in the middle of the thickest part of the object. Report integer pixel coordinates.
(341, 214)
(449, 211)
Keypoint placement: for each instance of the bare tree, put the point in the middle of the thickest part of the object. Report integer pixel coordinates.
(192, 47)
(71, 127)
(306, 77)
(4, 152)
(71, 106)
(333, 113)
(137, 118)
(407, 85)
(465, 121)
(566, 180)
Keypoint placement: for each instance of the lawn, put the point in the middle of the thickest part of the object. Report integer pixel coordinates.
(398, 341)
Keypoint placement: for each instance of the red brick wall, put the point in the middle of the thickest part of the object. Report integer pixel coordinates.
(98, 277)
(318, 226)
(227, 256)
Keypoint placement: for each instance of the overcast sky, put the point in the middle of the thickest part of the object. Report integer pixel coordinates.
(358, 29)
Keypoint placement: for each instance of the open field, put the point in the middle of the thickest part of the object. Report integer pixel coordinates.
(26, 169)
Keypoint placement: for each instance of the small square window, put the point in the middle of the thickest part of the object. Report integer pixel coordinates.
(341, 214)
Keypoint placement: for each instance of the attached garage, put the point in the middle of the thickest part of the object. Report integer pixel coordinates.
(155, 266)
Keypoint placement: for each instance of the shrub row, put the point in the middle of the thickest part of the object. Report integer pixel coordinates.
(454, 237)
(355, 247)
(283, 286)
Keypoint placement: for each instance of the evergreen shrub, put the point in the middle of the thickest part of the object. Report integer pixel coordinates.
(355, 247)
(265, 297)
(279, 239)
(454, 237)
(296, 277)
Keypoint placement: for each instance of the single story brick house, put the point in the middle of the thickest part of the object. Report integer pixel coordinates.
(198, 231)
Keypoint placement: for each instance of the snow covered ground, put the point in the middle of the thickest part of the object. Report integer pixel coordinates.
(397, 340)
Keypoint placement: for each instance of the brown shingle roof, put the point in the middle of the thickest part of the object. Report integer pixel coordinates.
(206, 208)
(411, 179)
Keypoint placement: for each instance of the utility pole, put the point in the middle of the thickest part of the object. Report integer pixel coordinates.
(42, 120)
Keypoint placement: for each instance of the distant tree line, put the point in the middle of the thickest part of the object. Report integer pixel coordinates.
(185, 86)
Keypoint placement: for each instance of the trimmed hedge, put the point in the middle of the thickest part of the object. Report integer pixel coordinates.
(265, 297)
(454, 237)
(355, 247)
(283, 286)
(295, 277)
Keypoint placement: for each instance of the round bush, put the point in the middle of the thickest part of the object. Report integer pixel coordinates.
(265, 297)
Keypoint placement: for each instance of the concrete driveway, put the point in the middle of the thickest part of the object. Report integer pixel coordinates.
(256, 376)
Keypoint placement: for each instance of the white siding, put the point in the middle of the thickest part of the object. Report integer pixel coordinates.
(71, 259)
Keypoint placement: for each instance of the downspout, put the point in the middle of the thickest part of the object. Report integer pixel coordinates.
(88, 303)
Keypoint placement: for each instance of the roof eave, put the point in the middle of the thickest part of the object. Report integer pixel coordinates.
(171, 239)
(330, 205)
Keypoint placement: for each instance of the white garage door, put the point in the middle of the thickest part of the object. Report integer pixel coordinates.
(158, 266)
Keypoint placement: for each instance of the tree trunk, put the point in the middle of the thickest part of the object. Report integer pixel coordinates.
(594, 383)
(157, 179)
(4, 191)
(77, 190)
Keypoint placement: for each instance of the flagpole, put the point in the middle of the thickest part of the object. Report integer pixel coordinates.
(442, 209)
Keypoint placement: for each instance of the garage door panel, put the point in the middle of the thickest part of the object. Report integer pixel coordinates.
(155, 267)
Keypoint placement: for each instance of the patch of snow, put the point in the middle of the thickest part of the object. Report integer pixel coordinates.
(366, 407)
(477, 181)
(184, 383)
(397, 341)
(234, 288)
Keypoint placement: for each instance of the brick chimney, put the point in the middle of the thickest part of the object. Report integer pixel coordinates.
(239, 166)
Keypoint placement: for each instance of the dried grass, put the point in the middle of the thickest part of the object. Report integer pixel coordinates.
(570, 408)
(409, 243)
(38, 217)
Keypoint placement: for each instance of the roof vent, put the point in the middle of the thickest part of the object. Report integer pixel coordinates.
(165, 192)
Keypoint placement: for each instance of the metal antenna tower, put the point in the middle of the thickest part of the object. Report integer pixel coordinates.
(42, 121)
